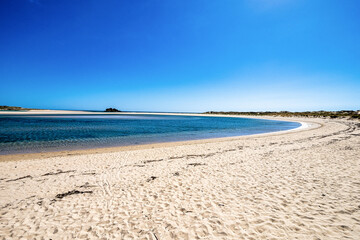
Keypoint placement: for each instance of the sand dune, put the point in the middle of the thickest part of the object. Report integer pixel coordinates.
(303, 184)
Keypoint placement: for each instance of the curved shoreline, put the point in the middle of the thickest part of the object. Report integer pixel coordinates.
(95, 150)
(300, 184)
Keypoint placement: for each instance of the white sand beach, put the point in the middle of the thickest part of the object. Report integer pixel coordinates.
(300, 184)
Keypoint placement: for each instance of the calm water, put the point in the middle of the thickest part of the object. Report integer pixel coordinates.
(37, 133)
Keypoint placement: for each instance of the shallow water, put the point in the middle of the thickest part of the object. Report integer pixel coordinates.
(38, 133)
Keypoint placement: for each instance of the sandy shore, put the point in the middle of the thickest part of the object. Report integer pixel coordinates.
(302, 184)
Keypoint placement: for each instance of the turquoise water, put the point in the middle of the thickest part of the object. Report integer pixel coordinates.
(38, 133)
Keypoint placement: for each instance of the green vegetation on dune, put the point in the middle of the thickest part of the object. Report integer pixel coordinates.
(12, 108)
(315, 114)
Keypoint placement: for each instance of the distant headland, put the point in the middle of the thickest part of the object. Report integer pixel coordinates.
(12, 108)
(314, 114)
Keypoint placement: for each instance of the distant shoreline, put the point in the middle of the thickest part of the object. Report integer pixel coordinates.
(350, 114)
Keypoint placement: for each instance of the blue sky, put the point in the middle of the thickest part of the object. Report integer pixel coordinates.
(180, 55)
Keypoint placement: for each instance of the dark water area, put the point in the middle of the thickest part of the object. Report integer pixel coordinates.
(43, 133)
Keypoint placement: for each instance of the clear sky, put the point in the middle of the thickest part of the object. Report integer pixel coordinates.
(180, 55)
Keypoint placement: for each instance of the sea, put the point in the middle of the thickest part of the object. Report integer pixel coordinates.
(47, 133)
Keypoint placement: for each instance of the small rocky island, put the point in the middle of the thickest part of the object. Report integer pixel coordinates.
(112, 110)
